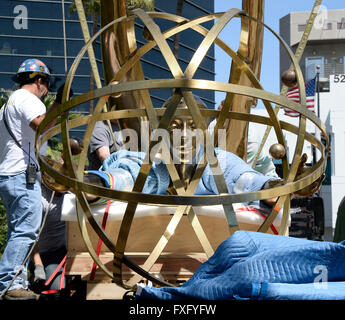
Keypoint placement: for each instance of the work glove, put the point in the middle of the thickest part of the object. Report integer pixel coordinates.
(39, 273)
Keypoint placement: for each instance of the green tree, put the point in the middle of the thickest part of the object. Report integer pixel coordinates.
(148, 4)
(4, 95)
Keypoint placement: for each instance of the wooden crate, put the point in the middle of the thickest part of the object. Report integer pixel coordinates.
(180, 259)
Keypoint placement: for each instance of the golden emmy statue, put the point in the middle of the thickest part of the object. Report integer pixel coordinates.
(125, 97)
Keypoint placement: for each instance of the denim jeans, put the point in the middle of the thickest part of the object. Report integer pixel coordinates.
(23, 204)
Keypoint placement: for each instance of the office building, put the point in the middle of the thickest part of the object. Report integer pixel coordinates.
(46, 30)
(325, 47)
(324, 54)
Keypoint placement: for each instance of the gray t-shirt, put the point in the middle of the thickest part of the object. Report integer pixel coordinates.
(101, 136)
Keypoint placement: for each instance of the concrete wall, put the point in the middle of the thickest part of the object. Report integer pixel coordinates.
(327, 39)
(337, 123)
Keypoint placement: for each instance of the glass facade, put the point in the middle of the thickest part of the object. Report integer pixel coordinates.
(46, 30)
(189, 42)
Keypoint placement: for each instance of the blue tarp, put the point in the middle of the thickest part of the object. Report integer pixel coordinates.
(253, 265)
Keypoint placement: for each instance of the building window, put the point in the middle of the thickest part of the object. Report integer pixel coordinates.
(341, 25)
(301, 27)
(327, 26)
(6, 48)
(310, 67)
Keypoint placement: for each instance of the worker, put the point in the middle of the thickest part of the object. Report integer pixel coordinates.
(20, 184)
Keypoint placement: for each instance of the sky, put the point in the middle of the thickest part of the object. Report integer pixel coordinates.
(274, 10)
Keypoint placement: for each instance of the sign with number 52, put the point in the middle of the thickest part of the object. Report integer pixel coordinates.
(339, 78)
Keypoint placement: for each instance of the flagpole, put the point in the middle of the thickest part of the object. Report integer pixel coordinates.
(317, 154)
(318, 89)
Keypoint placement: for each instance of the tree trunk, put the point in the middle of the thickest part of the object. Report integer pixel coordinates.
(116, 50)
(251, 51)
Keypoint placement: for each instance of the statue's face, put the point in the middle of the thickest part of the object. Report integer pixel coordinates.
(185, 141)
(183, 137)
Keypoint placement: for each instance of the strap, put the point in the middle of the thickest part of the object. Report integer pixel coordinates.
(54, 274)
(273, 228)
(62, 281)
(99, 244)
(104, 223)
(49, 291)
(62, 278)
(14, 138)
(9, 130)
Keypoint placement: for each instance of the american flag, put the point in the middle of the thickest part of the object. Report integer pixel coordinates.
(293, 94)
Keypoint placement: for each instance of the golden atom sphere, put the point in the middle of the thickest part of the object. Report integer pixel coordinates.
(277, 151)
(185, 81)
(289, 78)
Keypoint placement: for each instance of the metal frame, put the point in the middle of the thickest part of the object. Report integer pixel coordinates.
(184, 200)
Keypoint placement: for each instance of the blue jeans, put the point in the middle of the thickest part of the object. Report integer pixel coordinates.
(23, 204)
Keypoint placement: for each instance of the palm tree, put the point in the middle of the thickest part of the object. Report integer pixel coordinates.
(148, 4)
(93, 8)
